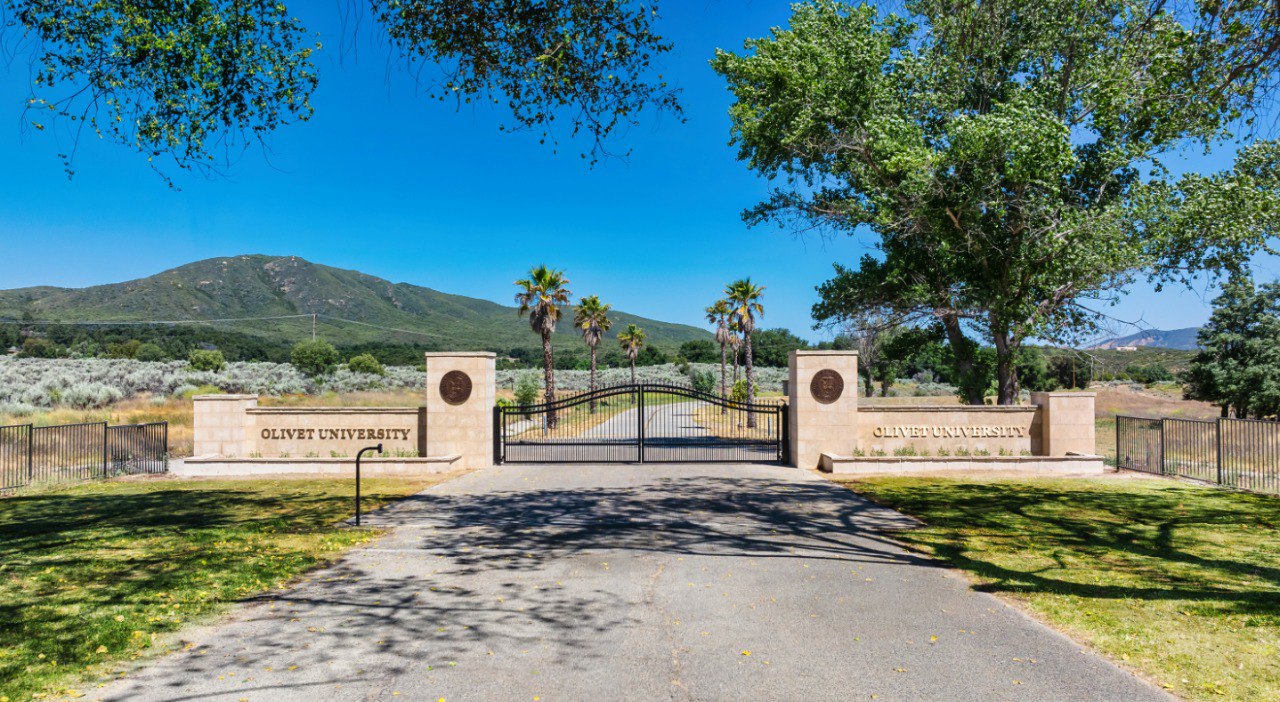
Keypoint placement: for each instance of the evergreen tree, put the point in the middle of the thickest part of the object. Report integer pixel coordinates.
(1238, 366)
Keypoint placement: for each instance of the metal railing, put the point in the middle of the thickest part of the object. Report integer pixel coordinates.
(32, 454)
(1239, 453)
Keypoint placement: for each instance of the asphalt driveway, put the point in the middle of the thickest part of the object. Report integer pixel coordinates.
(632, 583)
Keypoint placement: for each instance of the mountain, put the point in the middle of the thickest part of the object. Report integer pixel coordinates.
(1180, 339)
(267, 286)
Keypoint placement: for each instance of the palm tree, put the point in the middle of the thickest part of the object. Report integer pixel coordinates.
(743, 297)
(718, 314)
(591, 318)
(735, 343)
(542, 295)
(631, 340)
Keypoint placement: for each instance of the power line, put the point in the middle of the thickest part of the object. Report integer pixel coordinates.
(147, 322)
(376, 326)
(143, 322)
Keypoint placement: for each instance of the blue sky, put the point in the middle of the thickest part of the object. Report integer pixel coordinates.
(384, 181)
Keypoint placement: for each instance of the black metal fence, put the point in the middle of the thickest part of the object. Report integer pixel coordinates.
(1239, 453)
(66, 452)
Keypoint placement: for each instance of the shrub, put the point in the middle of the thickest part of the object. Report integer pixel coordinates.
(739, 392)
(187, 392)
(365, 363)
(526, 390)
(703, 381)
(33, 347)
(124, 349)
(149, 352)
(1148, 374)
(1071, 373)
(314, 358)
(207, 361)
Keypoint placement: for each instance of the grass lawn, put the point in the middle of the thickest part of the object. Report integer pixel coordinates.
(1177, 581)
(92, 575)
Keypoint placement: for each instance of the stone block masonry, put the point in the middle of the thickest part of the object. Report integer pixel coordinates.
(459, 422)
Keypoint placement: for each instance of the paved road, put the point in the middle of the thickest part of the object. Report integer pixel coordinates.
(632, 583)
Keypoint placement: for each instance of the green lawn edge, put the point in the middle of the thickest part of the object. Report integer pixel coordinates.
(96, 576)
(1179, 582)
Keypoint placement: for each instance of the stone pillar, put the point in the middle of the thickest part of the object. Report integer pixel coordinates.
(220, 424)
(1066, 423)
(459, 407)
(822, 414)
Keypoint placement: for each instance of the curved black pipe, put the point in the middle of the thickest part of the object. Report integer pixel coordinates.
(359, 455)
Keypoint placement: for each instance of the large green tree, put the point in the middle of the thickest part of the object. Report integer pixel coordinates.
(194, 82)
(1007, 157)
(1238, 365)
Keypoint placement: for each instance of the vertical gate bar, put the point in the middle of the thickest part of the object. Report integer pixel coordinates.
(104, 449)
(640, 423)
(31, 453)
(784, 433)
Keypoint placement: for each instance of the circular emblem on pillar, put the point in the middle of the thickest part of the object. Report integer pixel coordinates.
(826, 386)
(455, 387)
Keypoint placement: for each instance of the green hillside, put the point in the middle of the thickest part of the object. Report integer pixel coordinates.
(262, 286)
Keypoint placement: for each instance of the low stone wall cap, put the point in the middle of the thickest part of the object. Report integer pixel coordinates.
(455, 354)
(937, 409)
(824, 352)
(225, 397)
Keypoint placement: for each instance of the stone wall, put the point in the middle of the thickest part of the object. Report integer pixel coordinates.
(466, 427)
(234, 426)
(219, 422)
(332, 431)
(939, 431)
(824, 420)
(815, 425)
(1069, 423)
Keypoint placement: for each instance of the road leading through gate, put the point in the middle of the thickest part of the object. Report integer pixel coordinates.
(641, 423)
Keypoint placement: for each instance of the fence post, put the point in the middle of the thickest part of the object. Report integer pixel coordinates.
(1162, 452)
(1118, 423)
(31, 452)
(105, 430)
(497, 435)
(1217, 428)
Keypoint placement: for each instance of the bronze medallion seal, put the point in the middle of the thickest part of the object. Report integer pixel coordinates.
(826, 386)
(455, 387)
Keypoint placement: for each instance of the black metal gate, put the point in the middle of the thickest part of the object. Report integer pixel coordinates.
(643, 423)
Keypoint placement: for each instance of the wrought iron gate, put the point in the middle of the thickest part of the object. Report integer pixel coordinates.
(642, 423)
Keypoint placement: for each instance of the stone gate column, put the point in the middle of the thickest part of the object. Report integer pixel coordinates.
(459, 407)
(822, 391)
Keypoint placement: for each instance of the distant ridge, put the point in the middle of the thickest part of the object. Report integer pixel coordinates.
(262, 286)
(1180, 339)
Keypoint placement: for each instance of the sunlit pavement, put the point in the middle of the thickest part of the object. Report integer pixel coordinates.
(706, 582)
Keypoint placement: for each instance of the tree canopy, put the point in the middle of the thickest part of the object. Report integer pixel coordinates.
(1009, 158)
(191, 83)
